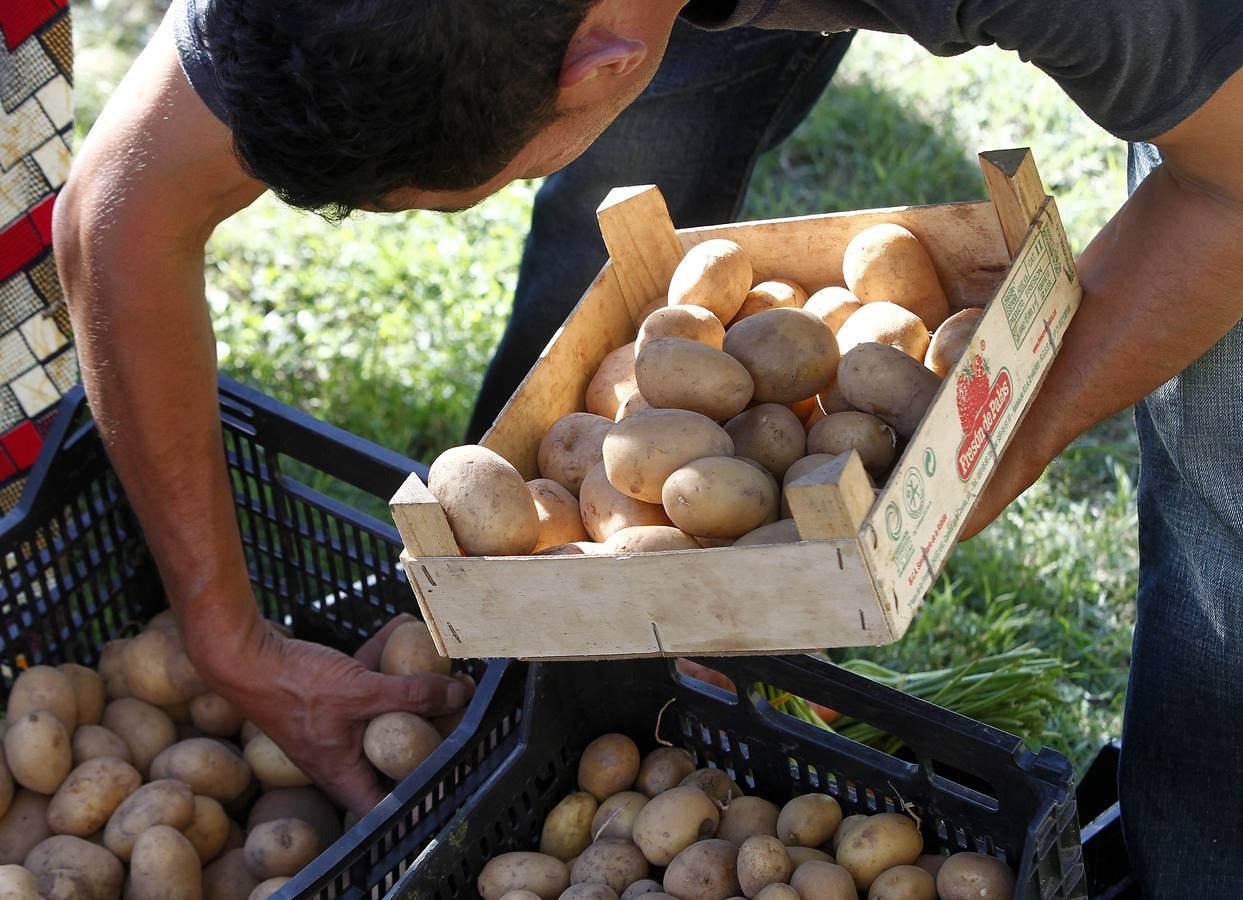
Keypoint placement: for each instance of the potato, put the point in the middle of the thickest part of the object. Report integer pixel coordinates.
(606, 510)
(823, 881)
(228, 878)
(613, 382)
(887, 262)
(790, 354)
(23, 826)
(931, 863)
(615, 817)
(716, 783)
(885, 382)
(43, 687)
(641, 452)
(834, 305)
(280, 848)
(63, 884)
(847, 823)
(146, 730)
(809, 820)
(783, 531)
(777, 892)
(662, 769)
(572, 446)
(560, 520)
(267, 888)
(715, 275)
(588, 890)
(158, 670)
(93, 741)
(950, 341)
(633, 404)
(17, 883)
(578, 548)
(100, 870)
(882, 842)
(842, 432)
(84, 803)
(410, 650)
(306, 803)
(800, 855)
(707, 870)
(762, 860)
(608, 766)
(522, 895)
(674, 373)
(770, 434)
(672, 821)
(164, 865)
(215, 716)
(768, 295)
(208, 766)
(613, 862)
(486, 502)
(903, 883)
(829, 401)
(885, 323)
(36, 747)
(567, 829)
(397, 742)
(641, 887)
(88, 692)
(649, 539)
(271, 766)
(692, 323)
(720, 497)
(208, 831)
(966, 876)
(7, 787)
(542, 875)
(164, 802)
(745, 817)
(112, 670)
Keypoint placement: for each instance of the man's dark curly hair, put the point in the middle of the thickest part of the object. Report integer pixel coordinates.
(335, 103)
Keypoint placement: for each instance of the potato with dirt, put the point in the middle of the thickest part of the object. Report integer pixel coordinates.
(694, 323)
(885, 323)
(649, 539)
(951, 340)
(903, 883)
(968, 876)
(609, 861)
(770, 434)
(164, 865)
(560, 519)
(720, 497)
(790, 354)
(396, 743)
(46, 688)
(545, 876)
(641, 452)
(606, 510)
(672, 821)
(37, 749)
(567, 830)
(90, 794)
(609, 765)
(613, 382)
(809, 820)
(271, 766)
(147, 730)
(834, 305)
(280, 848)
(616, 816)
(745, 817)
(875, 442)
(88, 692)
(486, 501)
(706, 870)
(572, 447)
(777, 293)
(663, 769)
(884, 381)
(762, 860)
(157, 669)
(100, 871)
(207, 766)
(676, 373)
(164, 802)
(883, 841)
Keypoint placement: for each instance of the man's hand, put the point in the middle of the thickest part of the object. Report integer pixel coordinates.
(316, 703)
(1162, 283)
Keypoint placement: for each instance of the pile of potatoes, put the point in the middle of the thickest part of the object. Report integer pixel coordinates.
(135, 779)
(659, 827)
(731, 391)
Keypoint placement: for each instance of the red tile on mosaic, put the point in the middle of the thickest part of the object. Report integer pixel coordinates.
(19, 19)
(22, 444)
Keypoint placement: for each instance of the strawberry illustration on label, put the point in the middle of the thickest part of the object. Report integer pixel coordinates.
(971, 390)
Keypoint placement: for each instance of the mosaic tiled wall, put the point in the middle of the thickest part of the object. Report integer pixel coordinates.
(37, 363)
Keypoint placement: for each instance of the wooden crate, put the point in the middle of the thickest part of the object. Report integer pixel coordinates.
(866, 560)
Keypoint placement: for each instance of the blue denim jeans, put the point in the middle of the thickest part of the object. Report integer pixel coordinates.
(1182, 748)
(718, 101)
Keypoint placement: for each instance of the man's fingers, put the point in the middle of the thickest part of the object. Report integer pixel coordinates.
(369, 653)
(424, 695)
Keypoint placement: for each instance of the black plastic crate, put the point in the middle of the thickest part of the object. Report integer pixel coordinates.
(973, 787)
(1104, 848)
(76, 572)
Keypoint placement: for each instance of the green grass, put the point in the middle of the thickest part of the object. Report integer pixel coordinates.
(383, 325)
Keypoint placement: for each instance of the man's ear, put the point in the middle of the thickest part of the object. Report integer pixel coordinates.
(597, 53)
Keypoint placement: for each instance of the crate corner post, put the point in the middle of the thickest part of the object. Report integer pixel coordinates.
(1016, 191)
(832, 501)
(642, 243)
(425, 532)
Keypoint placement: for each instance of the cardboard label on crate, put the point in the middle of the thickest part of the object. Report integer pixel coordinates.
(922, 509)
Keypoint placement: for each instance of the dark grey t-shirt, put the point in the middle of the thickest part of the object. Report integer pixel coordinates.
(1136, 67)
